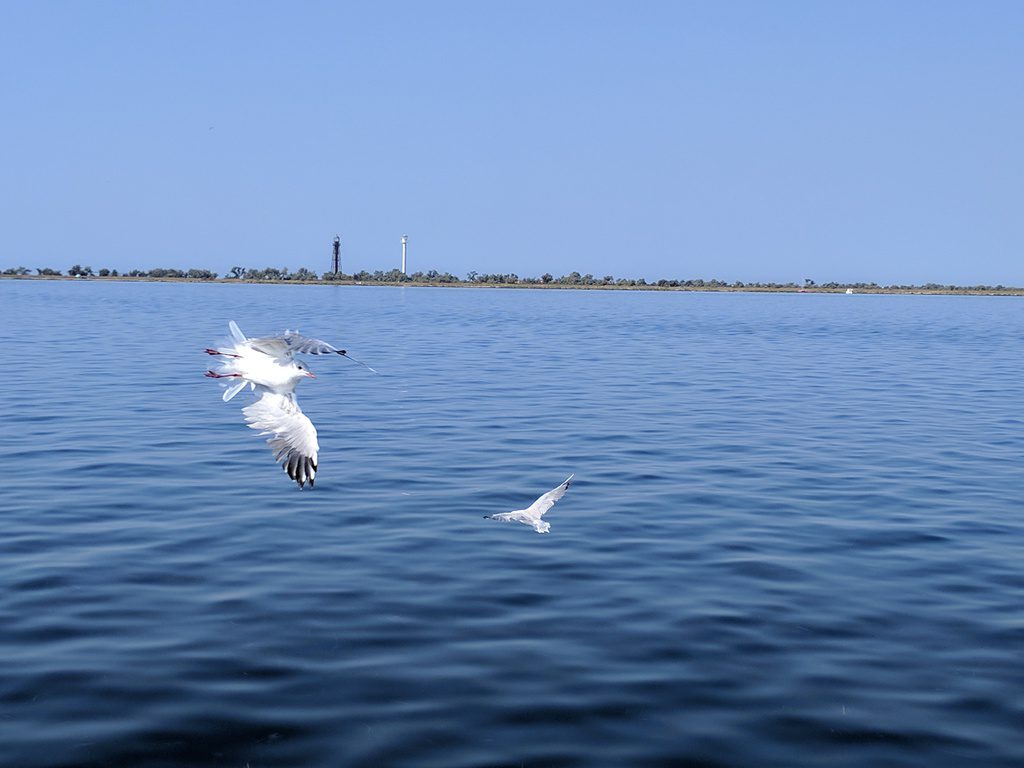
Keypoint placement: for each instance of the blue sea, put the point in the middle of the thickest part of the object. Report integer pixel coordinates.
(795, 536)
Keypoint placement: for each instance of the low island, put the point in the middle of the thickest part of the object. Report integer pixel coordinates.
(434, 278)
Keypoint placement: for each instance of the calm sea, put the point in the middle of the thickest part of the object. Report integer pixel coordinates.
(795, 538)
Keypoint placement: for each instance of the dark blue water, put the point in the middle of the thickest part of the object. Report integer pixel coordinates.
(795, 536)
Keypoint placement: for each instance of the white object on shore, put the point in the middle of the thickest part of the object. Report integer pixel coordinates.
(268, 366)
(849, 291)
(532, 515)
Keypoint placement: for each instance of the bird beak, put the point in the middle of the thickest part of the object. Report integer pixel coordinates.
(311, 374)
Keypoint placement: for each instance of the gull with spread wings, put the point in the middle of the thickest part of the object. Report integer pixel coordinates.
(269, 367)
(532, 515)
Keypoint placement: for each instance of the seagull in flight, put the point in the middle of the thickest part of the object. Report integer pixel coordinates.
(268, 366)
(532, 515)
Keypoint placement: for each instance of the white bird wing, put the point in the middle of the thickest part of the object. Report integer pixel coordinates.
(274, 346)
(519, 516)
(308, 346)
(285, 346)
(545, 502)
(292, 434)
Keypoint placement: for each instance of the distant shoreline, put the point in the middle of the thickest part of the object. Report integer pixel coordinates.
(956, 291)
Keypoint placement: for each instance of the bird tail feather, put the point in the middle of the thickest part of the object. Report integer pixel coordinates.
(234, 389)
(236, 334)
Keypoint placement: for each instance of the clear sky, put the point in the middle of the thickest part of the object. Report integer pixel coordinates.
(756, 141)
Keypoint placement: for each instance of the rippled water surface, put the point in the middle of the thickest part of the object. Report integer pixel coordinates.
(795, 536)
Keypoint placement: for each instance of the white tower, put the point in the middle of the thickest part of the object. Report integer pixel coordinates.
(405, 245)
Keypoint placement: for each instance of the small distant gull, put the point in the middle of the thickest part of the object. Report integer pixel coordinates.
(532, 515)
(269, 367)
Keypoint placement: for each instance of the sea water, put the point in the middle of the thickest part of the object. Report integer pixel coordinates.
(794, 537)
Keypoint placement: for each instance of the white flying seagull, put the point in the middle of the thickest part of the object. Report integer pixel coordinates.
(532, 515)
(268, 366)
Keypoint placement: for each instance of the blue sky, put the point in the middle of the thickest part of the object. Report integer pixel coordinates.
(849, 141)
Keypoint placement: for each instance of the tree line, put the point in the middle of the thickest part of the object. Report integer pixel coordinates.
(434, 277)
(77, 270)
